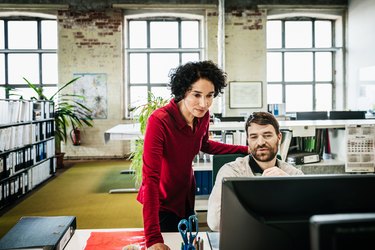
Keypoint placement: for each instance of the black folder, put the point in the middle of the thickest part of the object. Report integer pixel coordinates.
(42, 232)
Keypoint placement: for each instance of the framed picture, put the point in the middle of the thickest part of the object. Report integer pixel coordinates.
(93, 86)
(245, 95)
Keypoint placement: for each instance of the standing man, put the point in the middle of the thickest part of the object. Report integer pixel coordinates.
(263, 137)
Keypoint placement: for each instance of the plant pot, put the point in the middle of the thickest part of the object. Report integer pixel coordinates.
(59, 160)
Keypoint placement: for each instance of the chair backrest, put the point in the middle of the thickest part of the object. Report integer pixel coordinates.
(219, 160)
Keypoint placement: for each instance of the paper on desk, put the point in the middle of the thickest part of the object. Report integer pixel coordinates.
(116, 240)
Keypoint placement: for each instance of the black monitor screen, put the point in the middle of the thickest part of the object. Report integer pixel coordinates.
(343, 231)
(272, 213)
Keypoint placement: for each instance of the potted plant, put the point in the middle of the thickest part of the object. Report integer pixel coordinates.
(69, 113)
(143, 113)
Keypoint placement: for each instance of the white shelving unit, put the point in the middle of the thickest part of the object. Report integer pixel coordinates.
(27, 147)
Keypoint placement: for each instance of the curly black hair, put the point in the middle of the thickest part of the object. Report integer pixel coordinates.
(184, 76)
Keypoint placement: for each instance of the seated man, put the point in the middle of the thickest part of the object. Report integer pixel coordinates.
(263, 136)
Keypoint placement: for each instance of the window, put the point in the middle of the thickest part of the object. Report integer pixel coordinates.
(154, 46)
(300, 63)
(28, 49)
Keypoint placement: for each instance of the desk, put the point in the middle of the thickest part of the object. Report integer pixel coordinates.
(130, 131)
(173, 240)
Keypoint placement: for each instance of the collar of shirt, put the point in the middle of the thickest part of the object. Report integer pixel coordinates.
(255, 168)
(172, 109)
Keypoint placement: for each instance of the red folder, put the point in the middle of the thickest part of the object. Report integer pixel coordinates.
(115, 240)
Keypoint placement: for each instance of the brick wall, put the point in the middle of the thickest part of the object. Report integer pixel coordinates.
(91, 42)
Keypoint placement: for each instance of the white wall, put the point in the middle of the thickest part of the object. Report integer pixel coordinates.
(360, 53)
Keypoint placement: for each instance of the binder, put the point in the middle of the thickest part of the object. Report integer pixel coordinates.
(45, 233)
(302, 158)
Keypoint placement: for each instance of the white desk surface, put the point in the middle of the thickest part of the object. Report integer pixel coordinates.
(173, 240)
(131, 131)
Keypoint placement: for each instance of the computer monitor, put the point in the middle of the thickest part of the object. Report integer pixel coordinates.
(342, 231)
(272, 213)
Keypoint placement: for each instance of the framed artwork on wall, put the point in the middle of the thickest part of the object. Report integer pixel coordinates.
(246, 94)
(93, 86)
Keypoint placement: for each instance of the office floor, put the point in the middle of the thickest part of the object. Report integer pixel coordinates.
(81, 189)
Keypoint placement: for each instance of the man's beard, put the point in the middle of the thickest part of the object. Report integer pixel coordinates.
(264, 157)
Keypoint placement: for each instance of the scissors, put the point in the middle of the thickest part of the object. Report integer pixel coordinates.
(185, 227)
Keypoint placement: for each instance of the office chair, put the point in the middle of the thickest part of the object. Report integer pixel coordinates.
(219, 160)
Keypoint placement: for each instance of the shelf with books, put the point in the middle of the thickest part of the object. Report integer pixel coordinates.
(27, 147)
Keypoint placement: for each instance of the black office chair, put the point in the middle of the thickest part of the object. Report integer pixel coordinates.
(219, 160)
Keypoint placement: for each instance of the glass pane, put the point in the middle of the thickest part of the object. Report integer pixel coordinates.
(2, 93)
(323, 67)
(49, 35)
(189, 57)
(164, 34)
(138, 68)
(164, 92)
(298, 34)
(138, 96)
(274, 67)
(49, 69)
(274, 34)
(2, 69)
(323, 97)
(137, 34)
(49, 91)
(190, 34)
(22, 35)
(160, 66)
(323, 34)
(26, 93)
(274, 93)
(23, 65)
(298, 66)
(298, 98)
(2, 34)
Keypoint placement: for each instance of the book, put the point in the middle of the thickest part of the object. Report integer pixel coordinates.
(40, 232)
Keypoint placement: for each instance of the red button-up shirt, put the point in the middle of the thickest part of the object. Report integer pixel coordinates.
(168, 183)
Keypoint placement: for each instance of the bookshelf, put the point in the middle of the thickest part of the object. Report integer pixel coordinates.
(27, 147)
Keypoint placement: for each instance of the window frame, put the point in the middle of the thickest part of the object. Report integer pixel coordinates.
(283, 50)
(151, 17)
(39, 50)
